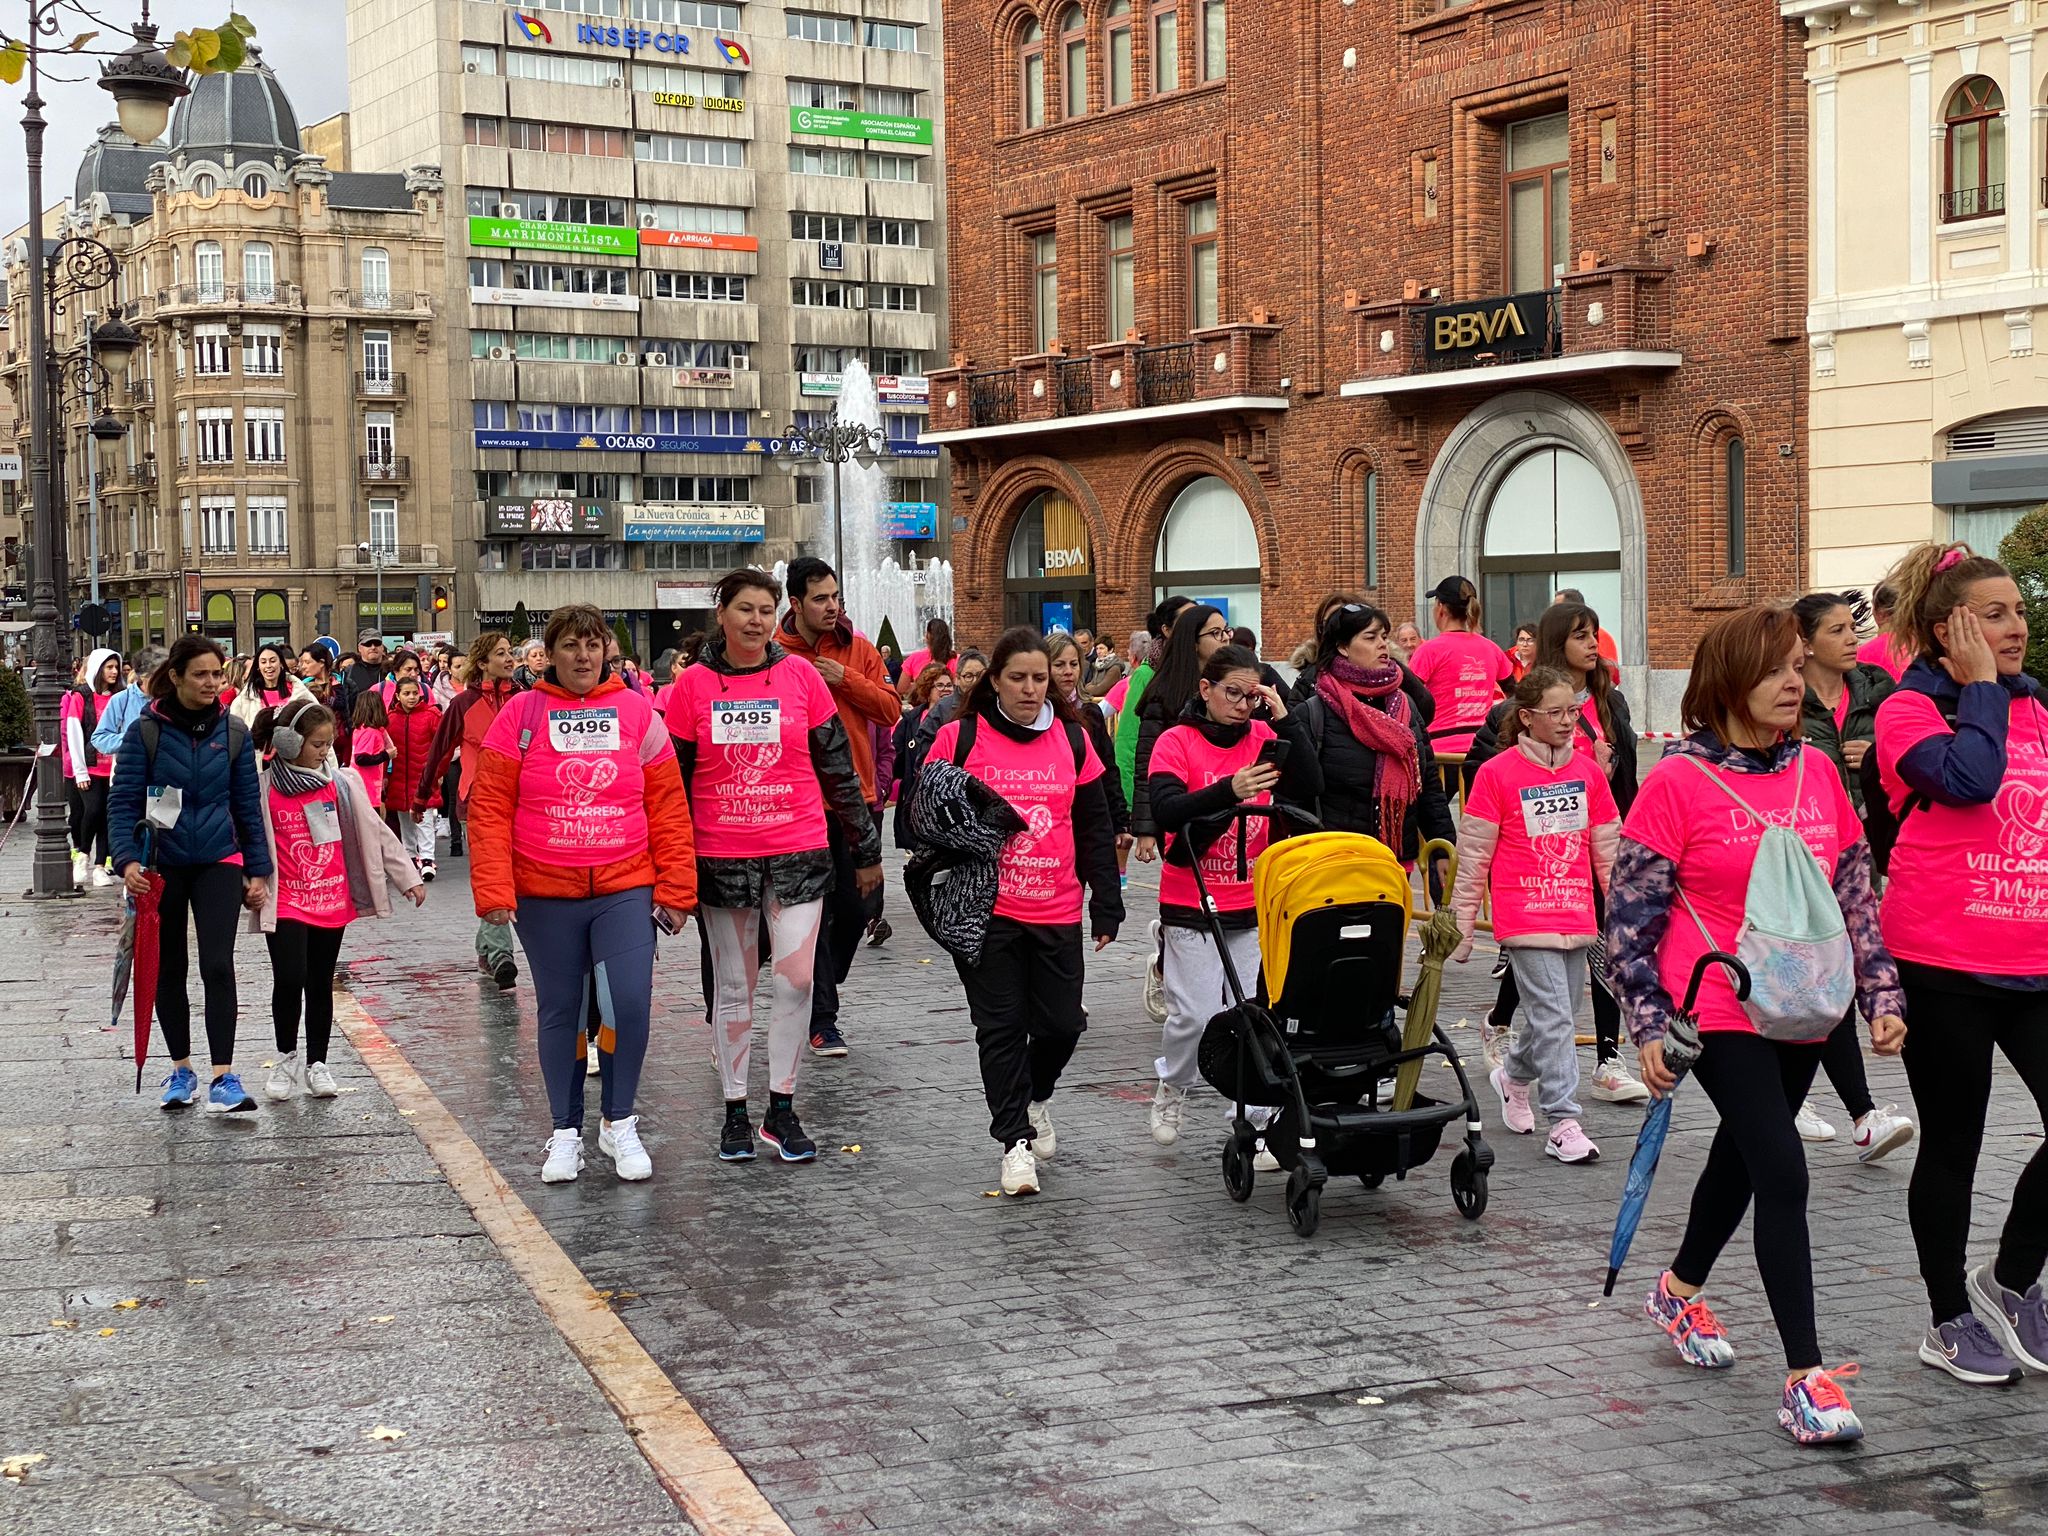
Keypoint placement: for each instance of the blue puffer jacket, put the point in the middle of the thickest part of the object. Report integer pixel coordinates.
(223, 809)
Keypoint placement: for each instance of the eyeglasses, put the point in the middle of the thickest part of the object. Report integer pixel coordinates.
(1237, 695)
(1559, 715)
(1214, 632)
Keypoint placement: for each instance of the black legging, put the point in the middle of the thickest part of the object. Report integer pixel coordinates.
(212, 896)
(1758, 1086)
(302, 960)
(1955, 1024)
(1841, 1057)
(89, 818)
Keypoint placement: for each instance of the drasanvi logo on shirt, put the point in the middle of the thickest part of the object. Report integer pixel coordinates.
(1814, 820)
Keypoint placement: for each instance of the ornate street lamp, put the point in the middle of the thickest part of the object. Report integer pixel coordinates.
(836, 443)
(143, 86)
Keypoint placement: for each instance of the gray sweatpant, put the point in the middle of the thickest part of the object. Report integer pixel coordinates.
(1196, 992)
(1545, 1049)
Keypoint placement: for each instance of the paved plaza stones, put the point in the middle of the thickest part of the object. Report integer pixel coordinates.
(881, 1345)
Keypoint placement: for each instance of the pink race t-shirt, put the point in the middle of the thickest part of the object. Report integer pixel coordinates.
(369, 741)
(1968, 889)
(312, 874)
(1883, 651)
(754, 791)
(1116, 695)
(1197, 762)
(1037, 881)
(1542, 876)
(1713, 841)
(1463, 673)
(915, 663)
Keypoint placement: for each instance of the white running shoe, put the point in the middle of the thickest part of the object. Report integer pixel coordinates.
(1155, 981)
(1263, 1159)
(1020, 1170)
(320, 1082)
(1879, 1132)
(1045, 1141)
(1613, 1083)
(102, 876)
(619, 1140)
(565, 1158)
(1166, 1107)
(283, 1080)
(80, 865)
(1810, 1125)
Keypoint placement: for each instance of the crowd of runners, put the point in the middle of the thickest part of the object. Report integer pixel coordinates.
(734, 798)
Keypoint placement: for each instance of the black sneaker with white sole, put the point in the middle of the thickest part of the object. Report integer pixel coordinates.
(781, 1129)
(736, 1141)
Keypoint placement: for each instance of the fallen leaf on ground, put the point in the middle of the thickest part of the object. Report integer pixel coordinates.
(351, 1090)
(628, 1296)
(106, 1333)
(852, 1150)
(15, 1468)
(130, 1304)
(1370, 1402)
(62, 1322)
(408, 1113)
(1591, 1305)
(388, 1317)
(991, 1194)
(195, 1282)
(386, 1432)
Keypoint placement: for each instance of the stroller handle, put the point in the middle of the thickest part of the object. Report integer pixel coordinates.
(1243, 811)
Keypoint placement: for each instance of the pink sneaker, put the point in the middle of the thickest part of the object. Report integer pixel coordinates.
(1515, 1112)
(1568, 1143)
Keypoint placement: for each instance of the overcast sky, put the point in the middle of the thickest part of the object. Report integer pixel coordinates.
(302, 40)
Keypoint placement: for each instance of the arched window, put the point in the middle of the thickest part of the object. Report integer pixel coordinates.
(1049, 574)
(1116, 48)
(271, 622)
(205, 184)
(1031, 69)
(1975, 158)
(259, 272)
(1551, 522)
(255, 184)
(1735, 504)
(1074, 53)
(220, 618)
(210, 269)
(1209, 550)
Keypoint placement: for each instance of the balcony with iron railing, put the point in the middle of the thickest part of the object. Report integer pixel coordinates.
(385, 301)
(229, 296)
(380, 385)
(389, 468)
(1225, 368)
(1983, 202)
(1601, 319)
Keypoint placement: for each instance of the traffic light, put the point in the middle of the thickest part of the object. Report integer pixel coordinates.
(440, 601)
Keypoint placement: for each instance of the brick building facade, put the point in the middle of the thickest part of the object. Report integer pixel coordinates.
(1261, 305)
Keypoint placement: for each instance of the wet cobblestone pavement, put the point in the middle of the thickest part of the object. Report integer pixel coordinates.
(881, 1345)
(885, 1347)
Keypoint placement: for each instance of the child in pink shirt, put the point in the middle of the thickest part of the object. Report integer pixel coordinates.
(370, 744)
(1540, 829)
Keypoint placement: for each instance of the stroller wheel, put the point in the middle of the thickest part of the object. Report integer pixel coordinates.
(1304, 1204)
(1237, 1169)
(1372, 1180)
(1468, 1186)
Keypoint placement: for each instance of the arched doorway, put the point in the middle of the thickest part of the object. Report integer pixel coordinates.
(1551, 523)
(1209, 550)
(1049, 574)
(219, 623)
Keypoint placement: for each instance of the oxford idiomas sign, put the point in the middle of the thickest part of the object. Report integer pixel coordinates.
(1514, 325)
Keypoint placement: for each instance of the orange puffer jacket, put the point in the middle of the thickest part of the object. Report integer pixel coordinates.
(500, 876)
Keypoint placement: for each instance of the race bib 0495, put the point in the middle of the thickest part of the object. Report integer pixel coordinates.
(1552, 808)
(583, 730)
(746, 722)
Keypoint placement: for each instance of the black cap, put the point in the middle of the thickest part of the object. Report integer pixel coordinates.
(1450, 590)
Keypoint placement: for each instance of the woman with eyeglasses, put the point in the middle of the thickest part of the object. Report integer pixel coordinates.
(1369, 739)
(1198, 633)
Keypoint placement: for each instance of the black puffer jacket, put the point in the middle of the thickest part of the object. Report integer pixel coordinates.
(1868, 687)
(1622, 778)
(806, 875)
(1348, 803)
(1420, 699)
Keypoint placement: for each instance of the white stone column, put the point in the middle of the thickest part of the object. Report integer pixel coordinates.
(1920, 154)
(2020, 150)
(1824, 193)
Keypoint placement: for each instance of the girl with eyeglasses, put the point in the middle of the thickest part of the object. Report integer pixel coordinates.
(1214, 758)
(1540, 832)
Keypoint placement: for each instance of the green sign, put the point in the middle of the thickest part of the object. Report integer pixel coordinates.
(589, 239)
(860, 125)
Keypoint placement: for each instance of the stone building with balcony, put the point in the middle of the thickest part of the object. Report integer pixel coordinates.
(1260, 306)
(286, 467)
(1929, 276)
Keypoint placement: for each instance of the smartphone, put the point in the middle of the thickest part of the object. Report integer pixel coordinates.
(1274, 753)
(663, 921)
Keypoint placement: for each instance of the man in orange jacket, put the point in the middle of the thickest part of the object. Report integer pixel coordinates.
(817, 629)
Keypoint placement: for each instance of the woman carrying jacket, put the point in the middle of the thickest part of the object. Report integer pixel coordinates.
(464, 725)
(1370, 740)
(185, 800)
(1697, 826)
(86, 769)
(1839, 718)
(1568, 638)
(1962, 751)
(765, 758)
(582, 837)
(335, 862)
(1019, 737)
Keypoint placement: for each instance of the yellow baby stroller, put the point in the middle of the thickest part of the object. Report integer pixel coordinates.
(1319, 1040)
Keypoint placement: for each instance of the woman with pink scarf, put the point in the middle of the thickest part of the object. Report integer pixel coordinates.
(1369, 739)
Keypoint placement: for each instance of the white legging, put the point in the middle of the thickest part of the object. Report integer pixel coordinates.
(735, 935)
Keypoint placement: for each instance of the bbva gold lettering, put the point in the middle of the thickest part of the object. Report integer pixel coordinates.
(1477, 328)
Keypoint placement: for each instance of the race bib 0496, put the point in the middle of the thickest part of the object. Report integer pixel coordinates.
(1552, 808)
(583, 730)
(746, 722)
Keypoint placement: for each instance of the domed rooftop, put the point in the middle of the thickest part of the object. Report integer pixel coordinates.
(116, 167)
(245, 113)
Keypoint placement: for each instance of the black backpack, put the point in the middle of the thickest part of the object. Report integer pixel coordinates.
(963, 741)
(1880, 825)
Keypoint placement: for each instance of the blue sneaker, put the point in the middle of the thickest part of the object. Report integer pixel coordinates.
(228, 1096)
(180, 1088)
(1816, 1411)
(827, 1041)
